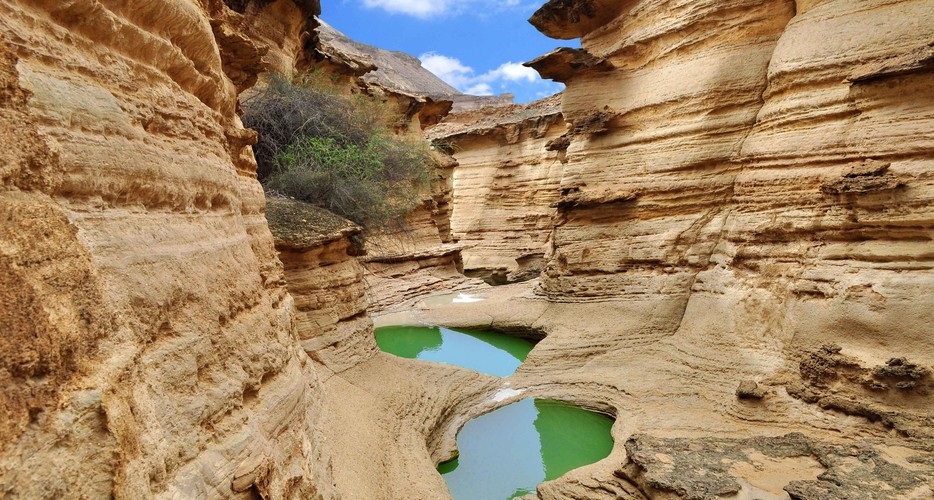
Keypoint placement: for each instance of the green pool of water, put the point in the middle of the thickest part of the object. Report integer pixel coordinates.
(508, 452)
(486, 352)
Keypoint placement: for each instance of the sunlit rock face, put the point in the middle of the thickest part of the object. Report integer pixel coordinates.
(421, 257)
(742, 244)
(656, 124)
(148, 347)
(741, 149)
(319, 253)
(416, 256)
(505, 185)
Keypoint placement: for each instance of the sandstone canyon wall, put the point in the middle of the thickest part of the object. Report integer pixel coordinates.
(153, 348)
(741, 244)
(148, 347)
(318, 251)
(749, 137)
(505, 185)
(756, 185)
(767, 156)
(420, 257)
(731, 209)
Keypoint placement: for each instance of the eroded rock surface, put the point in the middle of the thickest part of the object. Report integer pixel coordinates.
(708, 468)
(737, 193)
(148, 345)
(737, 205)
(318, 250)
(505, 185)
(421, 258)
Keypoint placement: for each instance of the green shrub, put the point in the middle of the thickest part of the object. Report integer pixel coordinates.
(336, 152)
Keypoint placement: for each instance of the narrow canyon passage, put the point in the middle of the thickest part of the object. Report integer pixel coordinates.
(719, 234)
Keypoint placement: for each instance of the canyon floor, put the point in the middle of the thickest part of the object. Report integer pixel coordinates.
(682, 427)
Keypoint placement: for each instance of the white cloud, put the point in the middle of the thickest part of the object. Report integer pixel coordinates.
(449, 69)
(512, 72)
(417, 8)
(434, 8)
(479, 89)
(465, 79)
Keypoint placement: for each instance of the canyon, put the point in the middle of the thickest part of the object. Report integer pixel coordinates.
(721, 231)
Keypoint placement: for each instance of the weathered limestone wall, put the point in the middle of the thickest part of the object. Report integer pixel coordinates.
(766, 161)
(421, 258)
(319, 253)
(285, 31)
(747, 184)
(649, 176)
(740, 183)
(740, 265)
(505, 185)
(149, 347)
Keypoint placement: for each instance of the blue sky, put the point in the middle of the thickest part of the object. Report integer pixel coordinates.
(475, 45)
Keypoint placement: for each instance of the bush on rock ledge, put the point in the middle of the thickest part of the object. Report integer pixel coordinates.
(336, 152)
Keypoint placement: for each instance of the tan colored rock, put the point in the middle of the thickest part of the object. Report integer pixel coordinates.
(284, 30)
(505, 185)
(325, 279)
(731, 190)
(746, 183)
(420, 258)
(149, 347)
(675, 187)
(739, 191)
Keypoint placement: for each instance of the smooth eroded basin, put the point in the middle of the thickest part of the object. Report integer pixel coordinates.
(505, 453)
(508, 452)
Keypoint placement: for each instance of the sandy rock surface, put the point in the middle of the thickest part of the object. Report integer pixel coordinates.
(505, 185)
(734, 200)
(152, 350)
(740, 255)
(681, 429)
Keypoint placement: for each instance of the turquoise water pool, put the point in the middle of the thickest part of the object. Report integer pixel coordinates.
(505, 453)
(486, 352)
(508, 452)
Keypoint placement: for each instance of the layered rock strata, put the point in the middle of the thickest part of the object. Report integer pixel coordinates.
(681, 431)
(505, 185)
(739, 268)
(149, 347)
(744, 210)
(761, 157)
(422, 257)
(283, 32)
(767, 177)
(383, 417)
(318, 251)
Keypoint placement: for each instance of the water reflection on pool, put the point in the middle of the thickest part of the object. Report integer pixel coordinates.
(486, 352)
(508, 452)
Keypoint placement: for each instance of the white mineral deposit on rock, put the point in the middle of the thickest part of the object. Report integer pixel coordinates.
(504, 394)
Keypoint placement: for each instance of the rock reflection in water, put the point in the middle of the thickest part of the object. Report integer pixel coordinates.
(486, 352)
(508, 452)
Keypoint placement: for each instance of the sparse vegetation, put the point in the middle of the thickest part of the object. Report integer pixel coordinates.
(336, 152)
